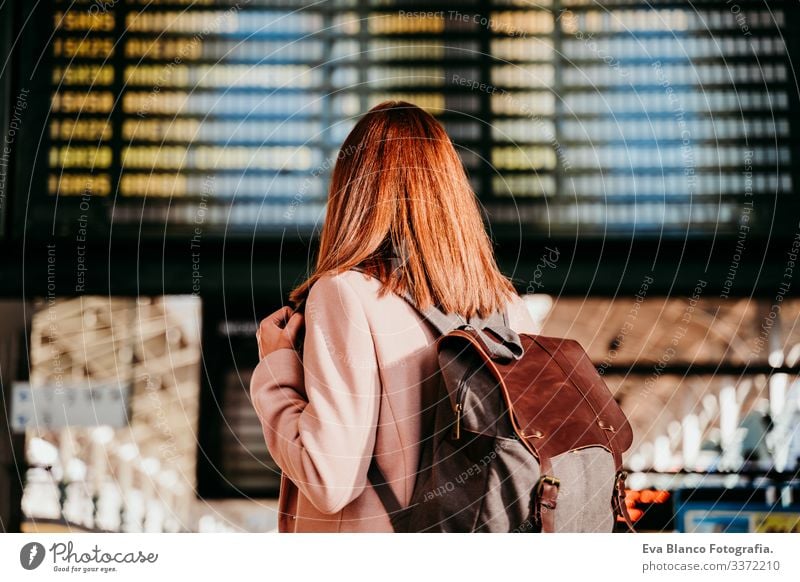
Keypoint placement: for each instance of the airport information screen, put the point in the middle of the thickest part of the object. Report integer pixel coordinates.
(162, 115)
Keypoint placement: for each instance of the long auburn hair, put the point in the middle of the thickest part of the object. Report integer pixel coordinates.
(398, 189)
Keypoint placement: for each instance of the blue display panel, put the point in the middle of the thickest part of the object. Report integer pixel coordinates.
(568, 115)
(738, 510)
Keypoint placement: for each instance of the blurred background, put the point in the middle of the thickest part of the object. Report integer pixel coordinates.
(163, 173)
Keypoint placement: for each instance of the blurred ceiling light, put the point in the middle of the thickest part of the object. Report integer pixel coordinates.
(41, 452)
(778, 385)
(637, 462)
(743, 389)
(674, 429)
(102, 435)
(128, 452)
(150, 466)
(75, 471)
(710, 404)
(638, 481)
(168, 479)
(662, 454)
(691, 440)
(728, 415)
(793, 356)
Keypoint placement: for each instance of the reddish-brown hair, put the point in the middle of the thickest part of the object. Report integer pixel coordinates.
(398, 187)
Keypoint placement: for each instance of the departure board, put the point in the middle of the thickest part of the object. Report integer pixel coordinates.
(571, 114)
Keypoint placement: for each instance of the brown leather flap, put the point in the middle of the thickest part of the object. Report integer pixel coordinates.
(558, 400)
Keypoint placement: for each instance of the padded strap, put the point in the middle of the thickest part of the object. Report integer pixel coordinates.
(443, 322)
(389, 500)
(506, 345)
(503, 343)
(498, 319)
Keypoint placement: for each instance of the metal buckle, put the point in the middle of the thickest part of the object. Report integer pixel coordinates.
(620, 483)
(547, 480)
(606, 426)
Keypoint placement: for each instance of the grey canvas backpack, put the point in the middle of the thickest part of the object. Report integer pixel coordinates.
(523, 437)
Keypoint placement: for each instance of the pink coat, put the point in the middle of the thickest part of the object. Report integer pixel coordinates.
(367, 362)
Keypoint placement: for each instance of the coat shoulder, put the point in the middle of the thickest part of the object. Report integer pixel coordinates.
(339, 286)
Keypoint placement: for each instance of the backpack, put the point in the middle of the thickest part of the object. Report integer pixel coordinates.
(524, 437)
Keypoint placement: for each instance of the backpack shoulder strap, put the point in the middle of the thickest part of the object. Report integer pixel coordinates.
(443, 322)
(496, 320)
(388, 499)
(503, 343)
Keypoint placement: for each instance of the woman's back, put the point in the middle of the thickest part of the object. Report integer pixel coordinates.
(369, 373)
(400, 207)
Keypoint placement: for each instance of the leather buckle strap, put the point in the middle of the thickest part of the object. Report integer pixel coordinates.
(619, 484)
(545, 480)
(618, 500)
(544, 503)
